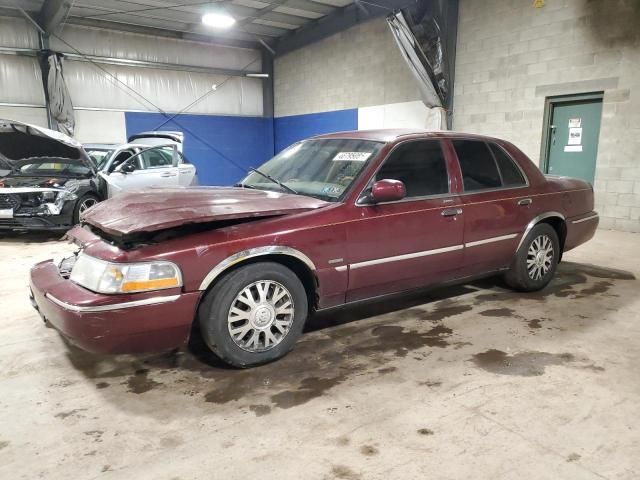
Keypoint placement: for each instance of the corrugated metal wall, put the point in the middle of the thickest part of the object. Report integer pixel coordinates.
(130, 88)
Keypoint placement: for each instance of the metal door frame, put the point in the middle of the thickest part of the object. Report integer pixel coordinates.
(549, 104)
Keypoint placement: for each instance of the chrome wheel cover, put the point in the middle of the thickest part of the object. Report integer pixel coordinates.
(539, 257)
(260, 316)
(86, 204)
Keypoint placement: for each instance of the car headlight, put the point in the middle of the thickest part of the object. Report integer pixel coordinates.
(65, 195)
(106, 277)
(49, 196)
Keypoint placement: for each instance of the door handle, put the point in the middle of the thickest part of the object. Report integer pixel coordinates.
(167, 175)
(451, 212)
(524, 202)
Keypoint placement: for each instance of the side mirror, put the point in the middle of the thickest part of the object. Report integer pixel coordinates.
(127, 168)
(388, 191)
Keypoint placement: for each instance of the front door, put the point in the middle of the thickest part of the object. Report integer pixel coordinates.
(396, 246)
(573, 137)
(153, 167)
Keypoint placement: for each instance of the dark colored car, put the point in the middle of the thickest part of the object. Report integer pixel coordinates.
(328, 221)
(46, 179)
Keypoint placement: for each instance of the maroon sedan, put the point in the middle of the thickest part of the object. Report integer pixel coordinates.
(330, 220)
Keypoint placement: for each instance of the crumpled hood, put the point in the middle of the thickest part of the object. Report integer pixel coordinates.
(21, 141)
(157, 209)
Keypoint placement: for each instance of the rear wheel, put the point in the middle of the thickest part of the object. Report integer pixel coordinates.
(536, 260)
(254, 315)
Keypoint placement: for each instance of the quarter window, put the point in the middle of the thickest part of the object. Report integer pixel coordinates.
(479, 170)
(511, 174)
(421, 166)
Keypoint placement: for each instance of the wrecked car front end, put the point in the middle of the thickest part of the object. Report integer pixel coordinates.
(42, 175)
(36, 208)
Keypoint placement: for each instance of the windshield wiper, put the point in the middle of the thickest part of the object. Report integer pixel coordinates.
(269, 177)
(242, 185)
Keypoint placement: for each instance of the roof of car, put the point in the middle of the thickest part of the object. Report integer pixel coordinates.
(100, 146)
(392, 134)
(114, 146)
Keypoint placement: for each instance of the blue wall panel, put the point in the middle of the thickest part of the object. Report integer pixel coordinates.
(246, 141)
(290, 129)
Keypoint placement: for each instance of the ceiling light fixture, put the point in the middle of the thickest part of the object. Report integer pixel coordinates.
(218, 20)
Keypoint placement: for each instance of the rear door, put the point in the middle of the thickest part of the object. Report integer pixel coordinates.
(187, 175)
(495, 204)
(396, 246)
(159, 167)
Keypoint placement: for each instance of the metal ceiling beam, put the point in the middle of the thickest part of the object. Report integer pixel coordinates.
(30, 52)
(273, 5)
(336, 22)
(52, 14)
(161, 32)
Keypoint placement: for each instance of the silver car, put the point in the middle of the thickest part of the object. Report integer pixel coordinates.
(149, 159)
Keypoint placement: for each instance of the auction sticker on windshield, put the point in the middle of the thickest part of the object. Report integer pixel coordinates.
(351, 156)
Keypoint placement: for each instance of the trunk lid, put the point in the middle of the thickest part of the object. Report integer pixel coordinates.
(158, 138)
(156, 209)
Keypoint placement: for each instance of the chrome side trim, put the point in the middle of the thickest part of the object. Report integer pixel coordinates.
(491, 240)
(535, 221)
(113, 306)
(252, 253)
(406, 256)
(341, 268)
(590, 217)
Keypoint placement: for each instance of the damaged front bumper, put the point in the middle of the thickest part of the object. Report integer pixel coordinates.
(98, 323)
(18, 211)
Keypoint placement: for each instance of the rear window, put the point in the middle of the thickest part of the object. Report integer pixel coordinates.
(511, 174)
(479, 170)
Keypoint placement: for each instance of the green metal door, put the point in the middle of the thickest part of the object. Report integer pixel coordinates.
(573, 138)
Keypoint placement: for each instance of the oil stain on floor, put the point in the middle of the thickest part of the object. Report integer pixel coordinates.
(345, 344)
(525, 364)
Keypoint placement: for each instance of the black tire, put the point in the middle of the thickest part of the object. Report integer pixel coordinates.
(519, 276)
(83, 201)
(216, 307)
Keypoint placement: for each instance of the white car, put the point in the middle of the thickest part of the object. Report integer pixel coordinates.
(150, 159)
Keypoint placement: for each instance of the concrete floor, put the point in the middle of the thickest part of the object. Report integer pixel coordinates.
(471, 381)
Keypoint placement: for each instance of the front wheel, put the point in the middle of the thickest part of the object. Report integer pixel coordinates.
(86, 201)
(254, 315)
(536, 260)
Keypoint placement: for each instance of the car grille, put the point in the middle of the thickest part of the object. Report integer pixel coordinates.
(9, 201)
(9, 223)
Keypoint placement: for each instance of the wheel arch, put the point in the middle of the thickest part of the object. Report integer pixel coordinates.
(300, 264)
(556, 220)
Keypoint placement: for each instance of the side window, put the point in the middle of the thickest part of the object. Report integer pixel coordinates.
(479, 170)
(511, 174)
(157, 158)
(120, 158)
(420, 165)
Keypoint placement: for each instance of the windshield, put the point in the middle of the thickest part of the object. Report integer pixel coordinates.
(99, 156)
(323, 168)
(51, 167)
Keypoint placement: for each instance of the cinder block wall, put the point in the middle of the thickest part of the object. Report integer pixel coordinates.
(510, 56)
(359, 67)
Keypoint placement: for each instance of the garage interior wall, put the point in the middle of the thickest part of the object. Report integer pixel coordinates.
(107, 111)
(511, 56)
(356, 79)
